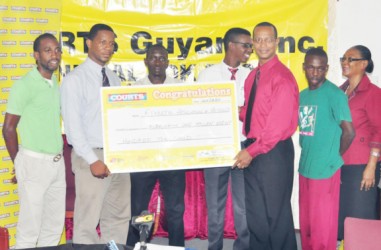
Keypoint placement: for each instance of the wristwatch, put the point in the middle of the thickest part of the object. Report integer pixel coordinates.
(374, 153)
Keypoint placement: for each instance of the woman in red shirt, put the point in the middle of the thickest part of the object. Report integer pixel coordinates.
(359, 195)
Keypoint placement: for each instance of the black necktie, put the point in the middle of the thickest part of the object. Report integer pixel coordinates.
(233, 71)
(250, 104)
(105, 82)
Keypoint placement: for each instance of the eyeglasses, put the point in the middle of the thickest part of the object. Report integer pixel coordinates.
(350, 59)
(245, 45)
(266, 40)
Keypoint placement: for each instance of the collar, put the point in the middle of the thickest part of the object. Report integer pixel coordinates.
(269, 64)
(95, 66)
(362, 86)
(228, 67)
(37, 75)
(149, 81)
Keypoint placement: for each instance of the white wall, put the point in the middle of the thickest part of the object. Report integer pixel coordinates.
(357, 22)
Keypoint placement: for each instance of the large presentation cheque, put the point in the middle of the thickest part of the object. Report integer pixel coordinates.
(173, 126)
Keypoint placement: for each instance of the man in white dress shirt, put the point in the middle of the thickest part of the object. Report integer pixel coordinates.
(238, 48)
(101, 198)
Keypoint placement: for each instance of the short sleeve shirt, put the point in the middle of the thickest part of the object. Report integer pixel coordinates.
(321, 112)
(37, 102)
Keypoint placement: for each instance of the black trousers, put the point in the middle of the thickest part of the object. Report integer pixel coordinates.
(172, 186)
(354, 202)
(268, 188)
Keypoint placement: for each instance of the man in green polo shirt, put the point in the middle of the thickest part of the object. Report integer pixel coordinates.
(34, 109)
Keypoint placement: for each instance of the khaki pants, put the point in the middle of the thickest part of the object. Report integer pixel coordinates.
(100, 201)
(42, 194)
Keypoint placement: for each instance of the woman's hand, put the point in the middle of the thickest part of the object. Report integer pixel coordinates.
(368, 177)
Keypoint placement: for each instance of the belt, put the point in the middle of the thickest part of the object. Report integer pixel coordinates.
(248, 142)
(47, 157)
(71, 146)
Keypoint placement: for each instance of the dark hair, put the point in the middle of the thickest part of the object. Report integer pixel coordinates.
(267, 24)
(98, 27)
(367, 55)
(232, 33)
(156, 46)
(316, 52)
(37, 41)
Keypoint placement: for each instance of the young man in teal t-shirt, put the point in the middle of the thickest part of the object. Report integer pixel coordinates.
(325, 133)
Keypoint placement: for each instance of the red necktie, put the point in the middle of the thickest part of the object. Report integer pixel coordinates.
(233, 71)
(105, 82)
(250, 104)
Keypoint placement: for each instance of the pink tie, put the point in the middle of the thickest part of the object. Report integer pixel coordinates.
(233, 71)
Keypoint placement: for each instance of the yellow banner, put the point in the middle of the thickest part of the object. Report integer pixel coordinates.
(168, 127)
(21, 22)
(192, 31)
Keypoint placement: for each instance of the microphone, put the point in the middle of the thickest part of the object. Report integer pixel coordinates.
(143, 223)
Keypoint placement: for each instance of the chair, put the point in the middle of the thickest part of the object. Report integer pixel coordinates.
(4, 238)
(362, 234)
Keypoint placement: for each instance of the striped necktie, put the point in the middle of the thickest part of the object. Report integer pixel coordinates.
(233, 71)
(105, 82)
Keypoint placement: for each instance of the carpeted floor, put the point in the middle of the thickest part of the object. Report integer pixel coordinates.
(197, 244)
(203, 244)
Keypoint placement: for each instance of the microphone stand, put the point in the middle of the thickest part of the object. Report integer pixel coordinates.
(143, 232)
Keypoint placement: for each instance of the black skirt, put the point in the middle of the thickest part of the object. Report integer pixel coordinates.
(354, 202)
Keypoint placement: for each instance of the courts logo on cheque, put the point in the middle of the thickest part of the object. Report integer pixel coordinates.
(127, 97)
